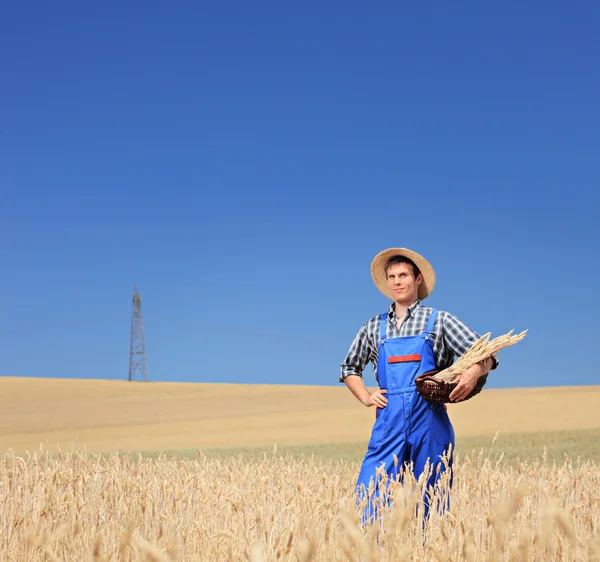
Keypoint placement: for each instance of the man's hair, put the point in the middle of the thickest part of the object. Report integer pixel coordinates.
(402, 259)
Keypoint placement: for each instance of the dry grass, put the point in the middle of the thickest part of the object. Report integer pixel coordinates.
(81, 506)
(109, 415)
(581, 444)
(77, 506)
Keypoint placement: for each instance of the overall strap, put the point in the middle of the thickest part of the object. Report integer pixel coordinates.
(383, 326)
(381, 358)
(431, 322)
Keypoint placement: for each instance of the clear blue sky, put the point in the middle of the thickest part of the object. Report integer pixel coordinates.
(242, 162)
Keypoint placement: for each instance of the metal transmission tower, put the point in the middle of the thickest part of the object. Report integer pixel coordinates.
(137, 356)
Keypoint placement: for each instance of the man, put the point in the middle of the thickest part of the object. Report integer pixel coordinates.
(403, 343)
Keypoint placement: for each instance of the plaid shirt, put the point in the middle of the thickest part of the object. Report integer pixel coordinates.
(450, 338)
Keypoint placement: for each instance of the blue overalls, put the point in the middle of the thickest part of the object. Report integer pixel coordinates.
(409, 427)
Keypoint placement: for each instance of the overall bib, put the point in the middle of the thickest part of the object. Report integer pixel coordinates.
(409, 427)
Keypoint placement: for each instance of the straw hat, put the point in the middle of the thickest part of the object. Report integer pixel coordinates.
(379, 276)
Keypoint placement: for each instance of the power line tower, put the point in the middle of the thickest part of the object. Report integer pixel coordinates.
(137, 355)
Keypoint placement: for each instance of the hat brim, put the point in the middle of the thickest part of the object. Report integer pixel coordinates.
(380, 278)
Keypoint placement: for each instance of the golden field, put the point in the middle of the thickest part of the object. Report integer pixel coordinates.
(76, 505)
(84, 507)
(105, 415)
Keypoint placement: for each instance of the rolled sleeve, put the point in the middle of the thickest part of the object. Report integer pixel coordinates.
(358, 356)
(495, 363)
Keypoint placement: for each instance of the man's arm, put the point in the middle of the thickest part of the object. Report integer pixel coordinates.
(459, 338)
(358, 388)
(358, 357)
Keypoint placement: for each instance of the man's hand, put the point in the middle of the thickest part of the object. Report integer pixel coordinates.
(377, 398)
(467, 380)
(358, 388)
(466, 383)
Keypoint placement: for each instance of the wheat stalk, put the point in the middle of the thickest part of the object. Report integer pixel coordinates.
(480, 350)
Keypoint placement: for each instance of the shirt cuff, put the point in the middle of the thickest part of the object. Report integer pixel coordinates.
(346, 372)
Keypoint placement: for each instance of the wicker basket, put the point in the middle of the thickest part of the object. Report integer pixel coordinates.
(438, 392)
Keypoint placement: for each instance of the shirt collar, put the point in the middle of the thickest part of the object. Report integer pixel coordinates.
(409, 311)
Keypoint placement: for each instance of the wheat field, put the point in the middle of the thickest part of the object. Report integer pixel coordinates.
(63, 499)
(79, 506)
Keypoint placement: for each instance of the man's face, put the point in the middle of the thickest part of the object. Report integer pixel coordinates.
(402, 283)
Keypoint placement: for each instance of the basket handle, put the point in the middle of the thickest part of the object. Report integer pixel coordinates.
(429, 377)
